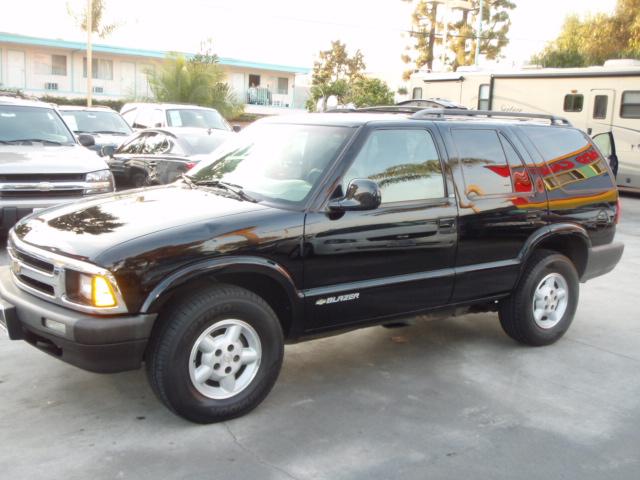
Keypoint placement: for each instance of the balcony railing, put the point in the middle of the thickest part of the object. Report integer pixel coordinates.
(264, 96)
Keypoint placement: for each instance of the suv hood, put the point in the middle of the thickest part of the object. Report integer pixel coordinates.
(88, 228)
(27, 159)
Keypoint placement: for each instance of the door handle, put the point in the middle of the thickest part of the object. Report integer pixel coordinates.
(446, 223)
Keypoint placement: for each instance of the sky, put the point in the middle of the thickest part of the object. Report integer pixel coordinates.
(288, 32)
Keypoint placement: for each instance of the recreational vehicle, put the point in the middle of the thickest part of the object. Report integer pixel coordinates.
(602, 101)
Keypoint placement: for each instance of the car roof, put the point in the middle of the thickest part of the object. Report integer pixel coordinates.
(399, 115)
(11, 100)
(128, 106)
(95, 108)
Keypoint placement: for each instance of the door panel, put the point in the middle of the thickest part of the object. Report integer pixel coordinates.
(600, 111)
(502, 201)
(365, 266)
(15, 69)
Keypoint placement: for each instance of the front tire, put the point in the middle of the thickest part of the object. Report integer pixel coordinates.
(216, 354)
(542, 307)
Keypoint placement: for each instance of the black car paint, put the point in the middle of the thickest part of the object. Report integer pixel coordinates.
(400, 259)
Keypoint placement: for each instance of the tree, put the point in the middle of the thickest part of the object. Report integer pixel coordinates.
(595, 39)
(334, 73)
(198, 80)
(424, 25)
(429, 17)
(97, 18)
(368, 92)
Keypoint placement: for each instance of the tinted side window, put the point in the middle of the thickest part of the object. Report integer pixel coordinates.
(133, 146)
(571, 161)
(484, 163)
(156, 144)
(404, 163)
(630, 107)
(573, 103)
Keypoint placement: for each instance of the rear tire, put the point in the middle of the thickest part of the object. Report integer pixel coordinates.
(541, 308)
(216, 354)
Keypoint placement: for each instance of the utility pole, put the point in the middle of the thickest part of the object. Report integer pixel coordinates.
(478, 34)
(89, 53)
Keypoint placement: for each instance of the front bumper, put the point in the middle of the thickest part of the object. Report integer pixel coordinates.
(602, 259)
(97, 344)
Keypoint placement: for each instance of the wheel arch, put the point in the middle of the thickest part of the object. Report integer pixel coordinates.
(569, 239)
(263, 277)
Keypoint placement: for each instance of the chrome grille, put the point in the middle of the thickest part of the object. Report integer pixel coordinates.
(34, 188)
(43, 274)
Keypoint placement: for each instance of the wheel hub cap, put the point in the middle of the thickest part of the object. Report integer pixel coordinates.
(225, 359)
(550, 300)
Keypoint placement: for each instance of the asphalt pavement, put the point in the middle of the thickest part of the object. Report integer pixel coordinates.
(452, 398)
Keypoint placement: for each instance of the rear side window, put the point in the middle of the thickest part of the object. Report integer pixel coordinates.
(482, 157)
(571, 161)
(404, 163)
(573, 102)
(630, 107)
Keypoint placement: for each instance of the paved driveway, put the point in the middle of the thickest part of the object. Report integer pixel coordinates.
(448, 399)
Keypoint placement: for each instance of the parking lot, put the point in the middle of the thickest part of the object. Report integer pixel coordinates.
(452, 398)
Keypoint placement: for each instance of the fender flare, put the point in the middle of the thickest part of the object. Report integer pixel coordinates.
(234, 264)
(549, 231)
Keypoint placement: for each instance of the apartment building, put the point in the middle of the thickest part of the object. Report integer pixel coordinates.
(40, 66)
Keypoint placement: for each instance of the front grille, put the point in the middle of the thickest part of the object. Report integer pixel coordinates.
(43, 177)
(46, 275)
(38, 285)
(41, 194)
(33, 261)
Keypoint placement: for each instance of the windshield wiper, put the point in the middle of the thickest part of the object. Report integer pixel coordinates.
(230, 187)
(110, 132)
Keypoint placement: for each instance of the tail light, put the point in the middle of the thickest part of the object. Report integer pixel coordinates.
(190, 165)
(616, 219)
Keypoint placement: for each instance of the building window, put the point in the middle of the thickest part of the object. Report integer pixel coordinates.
(417, 93)
(600, 103)
(630, 107)
(50, 64)
(100, 68)
(483, 97)
(573, 103)
(283, 85)
(254, 80)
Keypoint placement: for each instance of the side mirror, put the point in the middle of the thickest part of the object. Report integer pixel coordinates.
(107, 151)
(236, 128)
(362, 194)
(86, 140)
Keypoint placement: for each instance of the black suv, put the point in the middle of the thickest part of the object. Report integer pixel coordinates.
(304, 225)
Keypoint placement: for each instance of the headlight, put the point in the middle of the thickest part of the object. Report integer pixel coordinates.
(92, 290)
(99, 182)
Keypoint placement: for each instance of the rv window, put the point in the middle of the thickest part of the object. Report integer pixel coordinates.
(483, 97)
(484, 163)
(630, 107)
(417, 93)
(600, 103)
(573, 103)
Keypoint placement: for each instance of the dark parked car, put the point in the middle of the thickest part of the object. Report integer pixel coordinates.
(41, 162)
(161, 155)
(310, 224)
(107, 127)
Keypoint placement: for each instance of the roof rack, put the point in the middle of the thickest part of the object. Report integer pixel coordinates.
(379, 109)
(427, 113)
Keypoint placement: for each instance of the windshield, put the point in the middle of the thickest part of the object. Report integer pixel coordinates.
(32, 124)
(187, 117)
(276, 162)
(83, 121)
